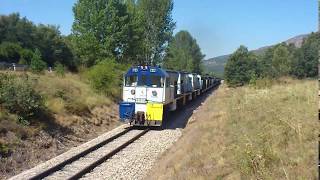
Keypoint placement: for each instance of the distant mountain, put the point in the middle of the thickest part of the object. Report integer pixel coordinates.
(298, 40)
(217, 64)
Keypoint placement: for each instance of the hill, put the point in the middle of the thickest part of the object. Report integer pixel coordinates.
(217, 64)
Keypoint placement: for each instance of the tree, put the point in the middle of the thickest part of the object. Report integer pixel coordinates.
(197, 57)
(131, 31)
(158, 28)
(25, 56)
(184, 53)
(100, 30)
(298, 64)
(37, 64)
(52, 46)
(10, 52)
(135, 51)
(281, 60)
(17, 30)
(265, 64)
(305, 62)
(241, 67)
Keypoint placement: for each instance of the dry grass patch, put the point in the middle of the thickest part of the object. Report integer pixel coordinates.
(73, 114)
(249, 133)
(68, 94)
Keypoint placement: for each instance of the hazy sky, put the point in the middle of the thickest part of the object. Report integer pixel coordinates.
(220, 26)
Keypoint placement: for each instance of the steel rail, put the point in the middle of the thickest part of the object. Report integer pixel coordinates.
(93, 165)
(72, 159)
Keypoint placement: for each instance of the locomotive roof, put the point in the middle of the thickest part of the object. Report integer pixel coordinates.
(146, 70)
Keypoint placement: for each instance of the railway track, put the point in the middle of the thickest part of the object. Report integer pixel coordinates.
(84, 162)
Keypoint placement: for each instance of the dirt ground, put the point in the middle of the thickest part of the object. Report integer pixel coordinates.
(38, 143)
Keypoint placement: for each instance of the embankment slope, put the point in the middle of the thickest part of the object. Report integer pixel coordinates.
(266, 131)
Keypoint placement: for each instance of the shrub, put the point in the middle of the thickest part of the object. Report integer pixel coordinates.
(17, 96)
(105, 77)
(37, 64)
(59, 69)
(5, 150)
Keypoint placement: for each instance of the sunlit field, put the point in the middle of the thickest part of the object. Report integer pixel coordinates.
(265, 131)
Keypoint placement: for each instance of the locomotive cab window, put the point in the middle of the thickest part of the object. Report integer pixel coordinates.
(142, 80)
(156, 81)
(131, 81)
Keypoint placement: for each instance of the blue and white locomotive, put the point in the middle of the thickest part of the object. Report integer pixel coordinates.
(149, 91)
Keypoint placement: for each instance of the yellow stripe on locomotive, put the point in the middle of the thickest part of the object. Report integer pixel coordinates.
(154, 111)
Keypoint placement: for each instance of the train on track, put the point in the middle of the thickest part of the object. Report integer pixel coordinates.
(149, 92)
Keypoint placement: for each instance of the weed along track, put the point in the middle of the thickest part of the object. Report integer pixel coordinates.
(85, 161)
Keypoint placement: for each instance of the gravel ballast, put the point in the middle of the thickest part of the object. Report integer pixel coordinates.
(71, 169)
(137, 159)
(54, 161)
(133, 162)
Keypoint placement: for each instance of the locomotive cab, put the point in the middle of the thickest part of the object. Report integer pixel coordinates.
(146, 90)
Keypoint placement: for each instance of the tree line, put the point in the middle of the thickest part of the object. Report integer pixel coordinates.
(21, 41)
(130, 32)
(282, 59)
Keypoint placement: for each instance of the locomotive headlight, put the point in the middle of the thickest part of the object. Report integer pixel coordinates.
(133, 92)
(154, 93)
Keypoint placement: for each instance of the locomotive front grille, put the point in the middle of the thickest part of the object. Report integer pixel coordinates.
(141, 100)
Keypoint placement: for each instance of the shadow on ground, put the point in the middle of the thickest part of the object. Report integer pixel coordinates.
(180, 118)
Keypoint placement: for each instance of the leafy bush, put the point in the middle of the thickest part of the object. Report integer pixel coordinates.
(5, 150)
(105, 77)
(37, 64)
(17, 96)
(59, 69)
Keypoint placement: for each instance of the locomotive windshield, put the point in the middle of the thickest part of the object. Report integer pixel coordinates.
(131, 81)
(156, 81)
(144, 80)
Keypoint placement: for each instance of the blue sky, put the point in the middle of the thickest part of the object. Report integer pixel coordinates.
(220, 26)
